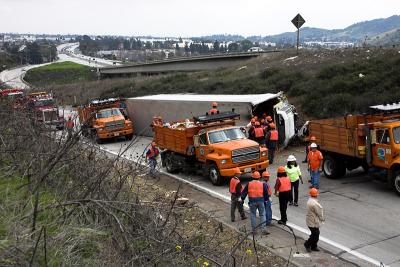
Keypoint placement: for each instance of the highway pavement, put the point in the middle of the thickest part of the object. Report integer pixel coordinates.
(362, 215)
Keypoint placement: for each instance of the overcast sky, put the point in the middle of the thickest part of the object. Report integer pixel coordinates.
(184, 18)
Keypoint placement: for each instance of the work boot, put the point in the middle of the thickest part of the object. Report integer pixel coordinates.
(281, 222)
(232, 220)
(244, 217)
(290, 203)
(296, 205)
(307, 247)
(315, 249)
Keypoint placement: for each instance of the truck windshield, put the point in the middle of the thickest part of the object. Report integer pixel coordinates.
(106, 113)
(396, 135)
(226, 135)
(43, 103)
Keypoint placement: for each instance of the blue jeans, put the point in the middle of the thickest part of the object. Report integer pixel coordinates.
(315, 175)
(152, 165)
(254, 206)
(268, 212)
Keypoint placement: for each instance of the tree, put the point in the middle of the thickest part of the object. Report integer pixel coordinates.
(216, 46)
(148, 45)
(233, 47)
(245, 45)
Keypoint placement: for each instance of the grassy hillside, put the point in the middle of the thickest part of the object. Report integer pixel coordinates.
(59, 73)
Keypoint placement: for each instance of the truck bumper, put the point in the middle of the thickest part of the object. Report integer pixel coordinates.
(245, 169)
(116, 133)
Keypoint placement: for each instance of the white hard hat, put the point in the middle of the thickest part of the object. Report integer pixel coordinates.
(291, 158)
(314, 145)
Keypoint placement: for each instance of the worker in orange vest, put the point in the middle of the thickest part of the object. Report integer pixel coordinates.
(313, 139)
(267, 202)
(70, 126)
(272, 138)
(268, 122)
(258, 192)
(315, 160)
(214, 109)
(283, 189)
(151, 155)
(259, 134)
(236, 188)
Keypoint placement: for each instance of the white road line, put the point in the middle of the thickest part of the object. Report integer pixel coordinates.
(294, 226)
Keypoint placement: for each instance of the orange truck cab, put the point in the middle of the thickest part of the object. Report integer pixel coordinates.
(105, 119)
(369, 141)
(211, 144)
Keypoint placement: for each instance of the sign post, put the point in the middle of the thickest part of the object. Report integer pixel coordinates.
(298, 21)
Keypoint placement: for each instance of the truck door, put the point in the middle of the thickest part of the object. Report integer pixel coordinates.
(202, 149)
(381, 148)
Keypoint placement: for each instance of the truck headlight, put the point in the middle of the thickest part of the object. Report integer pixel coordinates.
(223, 161)
(264, 153)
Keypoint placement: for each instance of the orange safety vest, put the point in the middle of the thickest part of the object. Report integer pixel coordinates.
(70, 124)
(256, 189)
(285, 184)
(153, 153)
(258, 132)
(274, 135)
(232, 185)
(213, 111)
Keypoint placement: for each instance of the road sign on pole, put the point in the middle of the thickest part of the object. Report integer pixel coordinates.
(298, 21)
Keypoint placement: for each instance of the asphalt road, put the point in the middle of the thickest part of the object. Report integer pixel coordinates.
(70, 52)
(362, 215)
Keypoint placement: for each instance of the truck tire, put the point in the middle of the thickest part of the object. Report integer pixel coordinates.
(129, 137)
(333, 167)
(396, 182)
(214, 175)
(169, 163)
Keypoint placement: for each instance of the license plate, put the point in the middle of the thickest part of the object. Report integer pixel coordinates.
(247, 170)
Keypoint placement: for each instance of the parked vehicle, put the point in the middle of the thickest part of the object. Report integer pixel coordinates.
(211, 144)
(45, 109)
(105, 119)
(369, 141)
(174, 107)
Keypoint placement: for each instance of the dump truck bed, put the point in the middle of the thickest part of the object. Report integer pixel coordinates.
(341, 135)
(178, 136)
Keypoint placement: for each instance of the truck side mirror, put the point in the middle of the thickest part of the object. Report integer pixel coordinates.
(196, 141)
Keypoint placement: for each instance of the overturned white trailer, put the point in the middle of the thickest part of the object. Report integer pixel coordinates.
(174, 107)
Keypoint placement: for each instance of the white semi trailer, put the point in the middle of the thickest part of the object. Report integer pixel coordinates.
(175, 107)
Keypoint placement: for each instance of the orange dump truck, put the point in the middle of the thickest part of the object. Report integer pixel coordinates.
(211, 144)
(105, 119)
(370, 141)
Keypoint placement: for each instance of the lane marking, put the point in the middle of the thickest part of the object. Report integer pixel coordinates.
(294, 226)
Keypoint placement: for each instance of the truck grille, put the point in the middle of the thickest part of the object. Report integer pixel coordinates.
(115, 125)
(245, 154)
(50, 115)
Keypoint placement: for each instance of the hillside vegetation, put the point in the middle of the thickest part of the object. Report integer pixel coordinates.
(59, 73)
(320, 83)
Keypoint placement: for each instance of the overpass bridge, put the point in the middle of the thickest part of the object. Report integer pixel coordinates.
(182, 64)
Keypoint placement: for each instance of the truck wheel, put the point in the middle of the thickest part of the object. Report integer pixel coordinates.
(129, 137)
(214, 175)
(396, 182)
(169, 163)
(333, 168)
